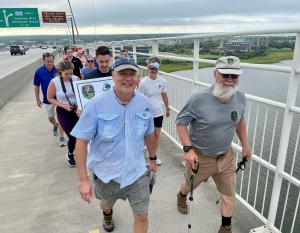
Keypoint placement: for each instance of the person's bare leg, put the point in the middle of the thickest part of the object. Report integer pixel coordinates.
(108, 222)
(140, 223)
(157, 134)
(105, 207)
(60, 131)
(52, 121)
(185, 189)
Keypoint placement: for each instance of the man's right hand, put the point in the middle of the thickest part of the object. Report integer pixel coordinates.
(39, 103)
(191, 158)
(152, 165)
(85, 190)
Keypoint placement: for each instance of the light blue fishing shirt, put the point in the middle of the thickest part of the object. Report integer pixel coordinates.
(116, 133)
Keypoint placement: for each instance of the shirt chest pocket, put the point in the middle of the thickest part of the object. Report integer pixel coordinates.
(141, 124)
(108, 126)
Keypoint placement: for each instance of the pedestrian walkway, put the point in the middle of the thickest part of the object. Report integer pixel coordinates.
(38, 190)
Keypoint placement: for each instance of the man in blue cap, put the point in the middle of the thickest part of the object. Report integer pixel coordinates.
(117, 123)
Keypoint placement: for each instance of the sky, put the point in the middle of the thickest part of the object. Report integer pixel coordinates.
(162, 16)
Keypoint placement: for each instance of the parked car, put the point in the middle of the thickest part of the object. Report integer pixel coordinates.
(44, 47)
(15, 49)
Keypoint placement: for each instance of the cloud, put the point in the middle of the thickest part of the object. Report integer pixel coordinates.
(172, 15)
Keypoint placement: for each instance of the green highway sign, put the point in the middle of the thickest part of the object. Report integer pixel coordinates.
(19, 17)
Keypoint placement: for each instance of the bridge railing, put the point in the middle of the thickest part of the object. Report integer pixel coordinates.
(270, 186)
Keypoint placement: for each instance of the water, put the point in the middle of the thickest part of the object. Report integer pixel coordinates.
(266, 84)
(274, 86)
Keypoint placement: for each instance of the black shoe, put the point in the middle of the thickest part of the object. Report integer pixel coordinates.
(71, 160)
(108, 222)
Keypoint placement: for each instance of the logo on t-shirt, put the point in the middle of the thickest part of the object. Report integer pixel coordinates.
(234, 115)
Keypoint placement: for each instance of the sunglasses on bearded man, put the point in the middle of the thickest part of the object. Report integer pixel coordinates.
(233, 76)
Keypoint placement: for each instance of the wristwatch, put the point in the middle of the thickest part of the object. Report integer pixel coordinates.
(153, 158)
(186, 149)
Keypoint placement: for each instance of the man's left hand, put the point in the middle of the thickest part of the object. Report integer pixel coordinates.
(167, 113)
(246, 151)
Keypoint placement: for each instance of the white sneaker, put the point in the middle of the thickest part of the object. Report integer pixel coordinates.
(183, 163)
(62, 142)
(158, 162)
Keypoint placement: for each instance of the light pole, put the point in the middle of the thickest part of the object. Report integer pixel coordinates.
(73, 18)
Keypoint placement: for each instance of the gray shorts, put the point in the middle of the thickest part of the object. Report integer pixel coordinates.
(138, 193)
(50, 109)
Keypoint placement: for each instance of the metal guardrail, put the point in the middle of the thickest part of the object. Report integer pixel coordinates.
(270, 188)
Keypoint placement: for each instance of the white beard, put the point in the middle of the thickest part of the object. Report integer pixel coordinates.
(223, 93)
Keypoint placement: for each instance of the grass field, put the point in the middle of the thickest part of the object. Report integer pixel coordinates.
(273, 56)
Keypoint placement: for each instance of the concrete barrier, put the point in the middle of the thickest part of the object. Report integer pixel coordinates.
(12, 83)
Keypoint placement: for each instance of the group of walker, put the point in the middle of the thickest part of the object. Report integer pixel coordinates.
(118, 123)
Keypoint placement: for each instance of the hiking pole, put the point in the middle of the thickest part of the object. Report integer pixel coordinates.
(240, 166)
(191, 194)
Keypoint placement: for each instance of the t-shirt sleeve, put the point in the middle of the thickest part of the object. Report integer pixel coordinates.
(141, 88)
(80, 64)
(36, 80)
(150, 128)
(164, 86)
(84, 71)
(187, 114)
(245, 104)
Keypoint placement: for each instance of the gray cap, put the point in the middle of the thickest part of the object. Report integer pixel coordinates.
(229, 65)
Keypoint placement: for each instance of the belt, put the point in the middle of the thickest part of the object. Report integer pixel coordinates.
(200, 153)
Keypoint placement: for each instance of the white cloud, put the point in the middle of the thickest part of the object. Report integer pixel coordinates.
(140, 16)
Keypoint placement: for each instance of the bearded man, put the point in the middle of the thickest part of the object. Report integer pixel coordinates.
(213, 116)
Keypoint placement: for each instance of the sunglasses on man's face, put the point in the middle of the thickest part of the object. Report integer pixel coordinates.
(233, 76)
(90, 61)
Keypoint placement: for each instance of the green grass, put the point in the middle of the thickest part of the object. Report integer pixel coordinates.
(273, 56)
(172, 67)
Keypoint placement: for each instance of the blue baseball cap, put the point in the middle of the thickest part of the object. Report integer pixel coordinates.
(123, 63)
(154, 65)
